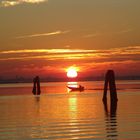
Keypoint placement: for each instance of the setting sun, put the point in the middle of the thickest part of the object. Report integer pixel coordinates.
(72, 72)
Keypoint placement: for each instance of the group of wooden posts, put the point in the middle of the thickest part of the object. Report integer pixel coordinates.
(109, 81)
(36, 86)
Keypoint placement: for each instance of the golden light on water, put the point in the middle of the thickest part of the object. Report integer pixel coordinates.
(73, 108)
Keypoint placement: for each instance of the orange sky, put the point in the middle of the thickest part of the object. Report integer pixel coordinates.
(50, 62)
(45, 37)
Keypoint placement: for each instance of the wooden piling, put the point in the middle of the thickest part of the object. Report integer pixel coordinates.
(36, 86)
(110, 80)
(113, 108)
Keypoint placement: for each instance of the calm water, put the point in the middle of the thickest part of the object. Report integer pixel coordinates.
(62, 115)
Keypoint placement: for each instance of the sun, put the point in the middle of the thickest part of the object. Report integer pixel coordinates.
(72, 72)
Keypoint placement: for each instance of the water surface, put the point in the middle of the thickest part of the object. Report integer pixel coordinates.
(62, 115)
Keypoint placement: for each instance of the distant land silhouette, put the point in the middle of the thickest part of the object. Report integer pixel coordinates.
(63, 79)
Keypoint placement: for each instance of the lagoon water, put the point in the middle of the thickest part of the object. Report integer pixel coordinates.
(58, 114)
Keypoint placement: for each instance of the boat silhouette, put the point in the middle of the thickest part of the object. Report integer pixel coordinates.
(78, 88)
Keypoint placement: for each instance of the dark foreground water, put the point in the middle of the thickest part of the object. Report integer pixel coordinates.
(58, 114)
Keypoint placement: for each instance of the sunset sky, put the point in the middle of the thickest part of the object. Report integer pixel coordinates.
(45, 37)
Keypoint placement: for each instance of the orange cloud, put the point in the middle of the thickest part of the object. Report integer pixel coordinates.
(117, 54)
(43, 34)
(45, 61)
(8, 3)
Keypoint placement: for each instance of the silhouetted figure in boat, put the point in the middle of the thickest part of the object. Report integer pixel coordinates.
(78, 88)
(36, 86)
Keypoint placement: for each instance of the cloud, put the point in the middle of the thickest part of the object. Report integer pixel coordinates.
(124, 31)
(96, 56)
(51, 51)
(91, 35)
(43, 34)
(8, 3)
(96, 34)
(125, 61)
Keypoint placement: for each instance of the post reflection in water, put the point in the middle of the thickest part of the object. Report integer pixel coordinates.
(111, 120)
(37, 98)
(37, 106)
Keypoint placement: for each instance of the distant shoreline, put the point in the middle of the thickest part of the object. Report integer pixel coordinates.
(59, 80)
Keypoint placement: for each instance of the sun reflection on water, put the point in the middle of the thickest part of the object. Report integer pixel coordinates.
(73, 108)
(73, 115)
(71, 84)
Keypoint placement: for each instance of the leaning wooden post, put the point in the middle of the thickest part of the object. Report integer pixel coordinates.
(110, 80)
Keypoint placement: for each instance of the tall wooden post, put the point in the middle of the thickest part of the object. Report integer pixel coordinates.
(110, 80)
(36, 86)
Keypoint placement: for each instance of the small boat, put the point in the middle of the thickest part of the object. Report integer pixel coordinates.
(79, 88)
